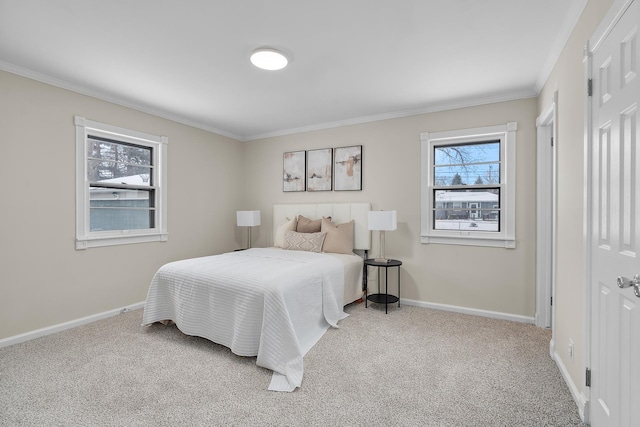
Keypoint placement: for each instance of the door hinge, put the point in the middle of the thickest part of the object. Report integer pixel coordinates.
(587, 378)
(552, 141)
(590, 87)
(551, 300)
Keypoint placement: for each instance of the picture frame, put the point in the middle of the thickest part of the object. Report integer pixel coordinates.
(320, 169)
(294, 171)
(347, 168)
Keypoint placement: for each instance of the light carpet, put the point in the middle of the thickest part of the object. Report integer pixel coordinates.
(412, 367)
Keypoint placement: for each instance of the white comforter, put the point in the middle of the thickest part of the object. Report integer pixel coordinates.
(265, 302)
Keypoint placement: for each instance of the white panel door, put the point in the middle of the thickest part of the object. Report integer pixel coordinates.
(615, 226)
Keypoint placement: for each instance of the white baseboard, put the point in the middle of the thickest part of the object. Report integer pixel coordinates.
(472, 311)
(16, 339)
(578, 397)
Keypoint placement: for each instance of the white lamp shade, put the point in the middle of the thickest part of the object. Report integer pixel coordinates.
(248, 218)
(382, 220)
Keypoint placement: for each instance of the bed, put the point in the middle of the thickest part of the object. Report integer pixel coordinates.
(274, 303)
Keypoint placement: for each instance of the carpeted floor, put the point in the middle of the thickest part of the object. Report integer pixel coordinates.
(412, 367)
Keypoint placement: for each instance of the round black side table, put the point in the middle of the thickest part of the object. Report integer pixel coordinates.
(381, 298)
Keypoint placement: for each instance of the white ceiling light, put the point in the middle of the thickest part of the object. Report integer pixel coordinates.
(269, 59)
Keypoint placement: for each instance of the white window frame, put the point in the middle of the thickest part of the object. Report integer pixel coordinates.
(505, 238)
(89, 239)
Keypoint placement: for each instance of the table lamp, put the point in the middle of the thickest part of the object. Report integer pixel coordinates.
(382, 221)
(248, 219)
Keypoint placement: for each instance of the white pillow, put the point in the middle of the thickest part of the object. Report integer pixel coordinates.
(288, 225)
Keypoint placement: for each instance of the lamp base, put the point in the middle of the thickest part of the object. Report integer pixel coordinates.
(382, 260)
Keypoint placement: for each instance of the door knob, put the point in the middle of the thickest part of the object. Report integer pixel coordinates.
(623, 282)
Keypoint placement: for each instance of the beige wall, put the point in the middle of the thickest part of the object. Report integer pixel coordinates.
(567, 80)
(44, 281)
(501, 280)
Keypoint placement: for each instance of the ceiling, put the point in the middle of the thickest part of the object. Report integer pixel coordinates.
(350, 61)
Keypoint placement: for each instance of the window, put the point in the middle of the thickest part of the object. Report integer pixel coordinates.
(120, 185)
(468, 186)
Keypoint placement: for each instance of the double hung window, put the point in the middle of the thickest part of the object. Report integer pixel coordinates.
(120, 190)
(468, 186)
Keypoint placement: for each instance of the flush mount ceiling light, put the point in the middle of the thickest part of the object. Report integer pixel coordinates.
(268, 59)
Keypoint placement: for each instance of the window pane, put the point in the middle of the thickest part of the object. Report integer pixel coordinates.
(482, 174)
(109, 159)
(474, 210)
(461, 154)
(120, 219)
(109, 171)
(117, 209)
(467, 164)
(100, 148)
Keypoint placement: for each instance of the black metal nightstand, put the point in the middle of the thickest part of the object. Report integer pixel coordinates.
(381, 298)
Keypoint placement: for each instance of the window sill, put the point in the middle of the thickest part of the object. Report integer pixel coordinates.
(95, 242)
(489, 242)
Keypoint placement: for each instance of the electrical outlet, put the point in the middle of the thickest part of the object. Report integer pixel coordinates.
(570, 349)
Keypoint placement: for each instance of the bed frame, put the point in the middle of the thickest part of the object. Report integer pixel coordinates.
(339, 213)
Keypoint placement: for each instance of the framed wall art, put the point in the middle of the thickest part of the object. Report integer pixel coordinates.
(319, 169)
(294, 171)
(347, 171)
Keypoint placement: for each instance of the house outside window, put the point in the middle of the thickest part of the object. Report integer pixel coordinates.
(120, 185)
(468, 186)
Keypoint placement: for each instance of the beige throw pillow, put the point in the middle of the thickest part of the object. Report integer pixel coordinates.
(306, 225)
(339, 237)
(310, 242)
(288, 225)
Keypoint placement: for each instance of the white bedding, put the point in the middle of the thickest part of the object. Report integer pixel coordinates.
(352, 276)
(266, 302)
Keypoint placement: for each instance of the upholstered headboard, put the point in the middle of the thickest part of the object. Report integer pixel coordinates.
(339, 213)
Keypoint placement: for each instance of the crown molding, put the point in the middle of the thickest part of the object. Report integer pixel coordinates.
(570, 21)
(103, 96)
(432, 108)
